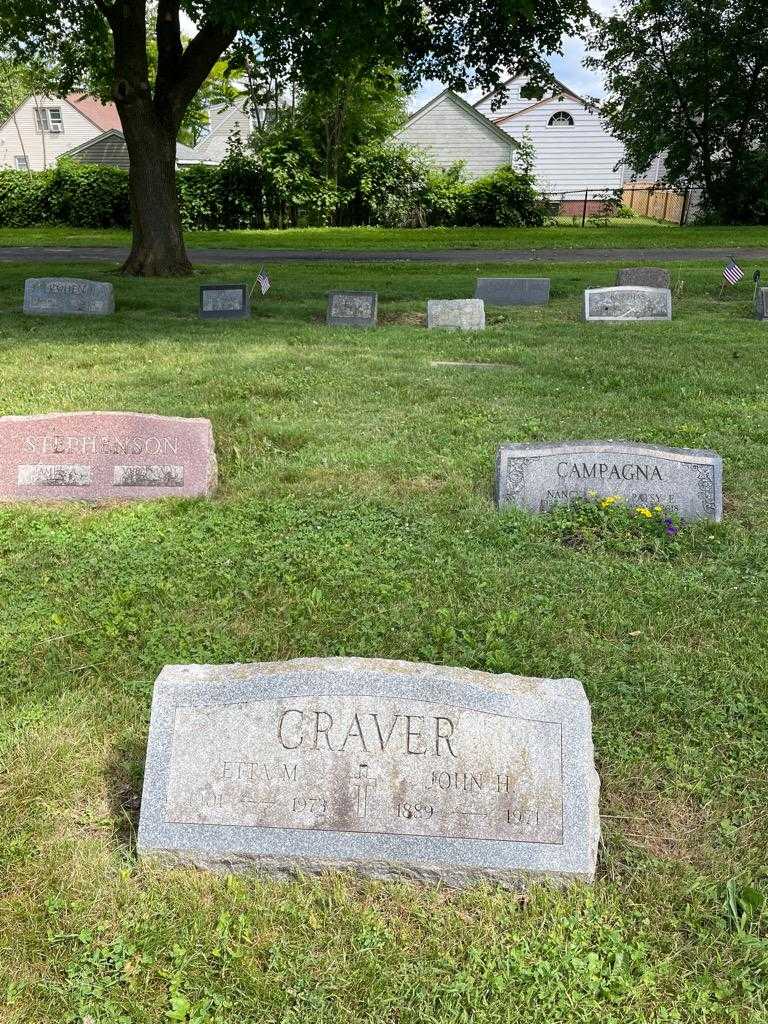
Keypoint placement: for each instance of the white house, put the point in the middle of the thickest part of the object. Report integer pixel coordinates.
(448, 129)
(222, 122)
(573, 150)
(41, 129)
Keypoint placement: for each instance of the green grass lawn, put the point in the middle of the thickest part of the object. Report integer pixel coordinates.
(619, 234)
(354, 517)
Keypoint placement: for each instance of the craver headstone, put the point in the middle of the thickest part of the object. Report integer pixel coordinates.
(627, 302)
(68, 296)
(389, 768)
(646, 277)
(352, 309)
(224, 302)
(513, 291)
(456, 314)
(761, 303)
(539, 476)
(93, 456)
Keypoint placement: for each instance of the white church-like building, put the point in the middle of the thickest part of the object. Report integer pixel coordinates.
(574, 152)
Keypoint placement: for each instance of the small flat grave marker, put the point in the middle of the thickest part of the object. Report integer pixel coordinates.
(97, 456)
(68, 296)
(388, 768)
(513, 291)
(224, 302)
(456, 314)
(537, 477)
(761, 304)
(646, 277)
(627, 303)
(352, 309)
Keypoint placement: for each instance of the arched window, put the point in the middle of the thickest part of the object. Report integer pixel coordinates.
(562, 119)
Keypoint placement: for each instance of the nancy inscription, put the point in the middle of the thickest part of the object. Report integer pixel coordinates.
(386, 767)
(539, 476)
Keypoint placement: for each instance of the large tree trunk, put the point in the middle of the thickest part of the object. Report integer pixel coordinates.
(158, 244)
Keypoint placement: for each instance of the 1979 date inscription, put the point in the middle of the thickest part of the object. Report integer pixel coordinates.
(367, 765)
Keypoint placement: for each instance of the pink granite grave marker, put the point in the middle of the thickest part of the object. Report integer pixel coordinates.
(98, 456)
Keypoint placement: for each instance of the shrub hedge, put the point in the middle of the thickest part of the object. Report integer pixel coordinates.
(395, 188)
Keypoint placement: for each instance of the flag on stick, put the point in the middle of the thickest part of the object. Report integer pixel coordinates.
(732, 272)
(263, 280)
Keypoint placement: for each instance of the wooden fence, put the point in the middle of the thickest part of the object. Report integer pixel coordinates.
(650, 200)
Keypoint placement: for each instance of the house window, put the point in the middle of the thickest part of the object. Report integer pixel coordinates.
(22, 164)
(562, 119)
(48, 119)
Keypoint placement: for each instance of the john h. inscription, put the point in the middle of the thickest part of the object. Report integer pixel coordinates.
(386, 767)
(539, 476)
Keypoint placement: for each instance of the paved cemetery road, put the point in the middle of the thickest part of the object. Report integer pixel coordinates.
(88, 254)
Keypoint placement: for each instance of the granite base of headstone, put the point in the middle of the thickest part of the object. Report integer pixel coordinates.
(68, 296)
(627, 303)
(456, 314)
(645, 277)
(352, 309)
(224, 302)
(761, 304)
(386, 768)
(102, 456)
(513, 291)
(538, 476)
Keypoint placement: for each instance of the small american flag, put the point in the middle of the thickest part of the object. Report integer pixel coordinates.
(732, 272)
(262, 279)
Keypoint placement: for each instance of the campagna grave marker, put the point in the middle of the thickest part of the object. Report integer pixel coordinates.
(96, 456)
(352, 309)
(388, 768)
(761, 303)
(537, 477)
(456, 314)
(646, 277)
(626, 303)
(68, 296)
(224, 302)
(513, 291)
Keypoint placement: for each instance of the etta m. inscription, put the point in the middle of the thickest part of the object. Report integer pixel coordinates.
(94, 456)
(539, 476)
(386, 767)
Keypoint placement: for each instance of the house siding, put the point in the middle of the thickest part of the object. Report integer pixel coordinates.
(446, 133)
(213, 147)
(77, 130)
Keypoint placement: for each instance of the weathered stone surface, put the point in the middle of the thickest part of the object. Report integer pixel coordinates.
(646, 277)
(513, 291)
(68, 296)
(224, 302)
(388, 768)
(761, 303)
(539, 476)
(352, 309)
(456, 314)
(96, 456)
(628, 302)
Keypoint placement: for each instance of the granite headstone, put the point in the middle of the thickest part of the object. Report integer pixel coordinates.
(627, 302)
(68, 296)
(537, 476)
(456, 314)
(352, 309)
(513, 291)
(97, 456)
(387, 768)
(646, 277)
(761, 303)
(224, 302)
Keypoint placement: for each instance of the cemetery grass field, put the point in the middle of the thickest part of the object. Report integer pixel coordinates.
(354, 517)
(618, 234)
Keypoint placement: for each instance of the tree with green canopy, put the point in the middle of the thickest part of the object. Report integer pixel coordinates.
(460, 44)
(689, 79)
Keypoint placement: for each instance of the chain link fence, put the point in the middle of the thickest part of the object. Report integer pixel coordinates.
(609, 206)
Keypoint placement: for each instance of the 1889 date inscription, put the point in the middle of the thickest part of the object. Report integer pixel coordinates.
(340, 763)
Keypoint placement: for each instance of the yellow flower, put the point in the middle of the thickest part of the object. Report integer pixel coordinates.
(607, 502)
(643, 511)
(658, 508)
